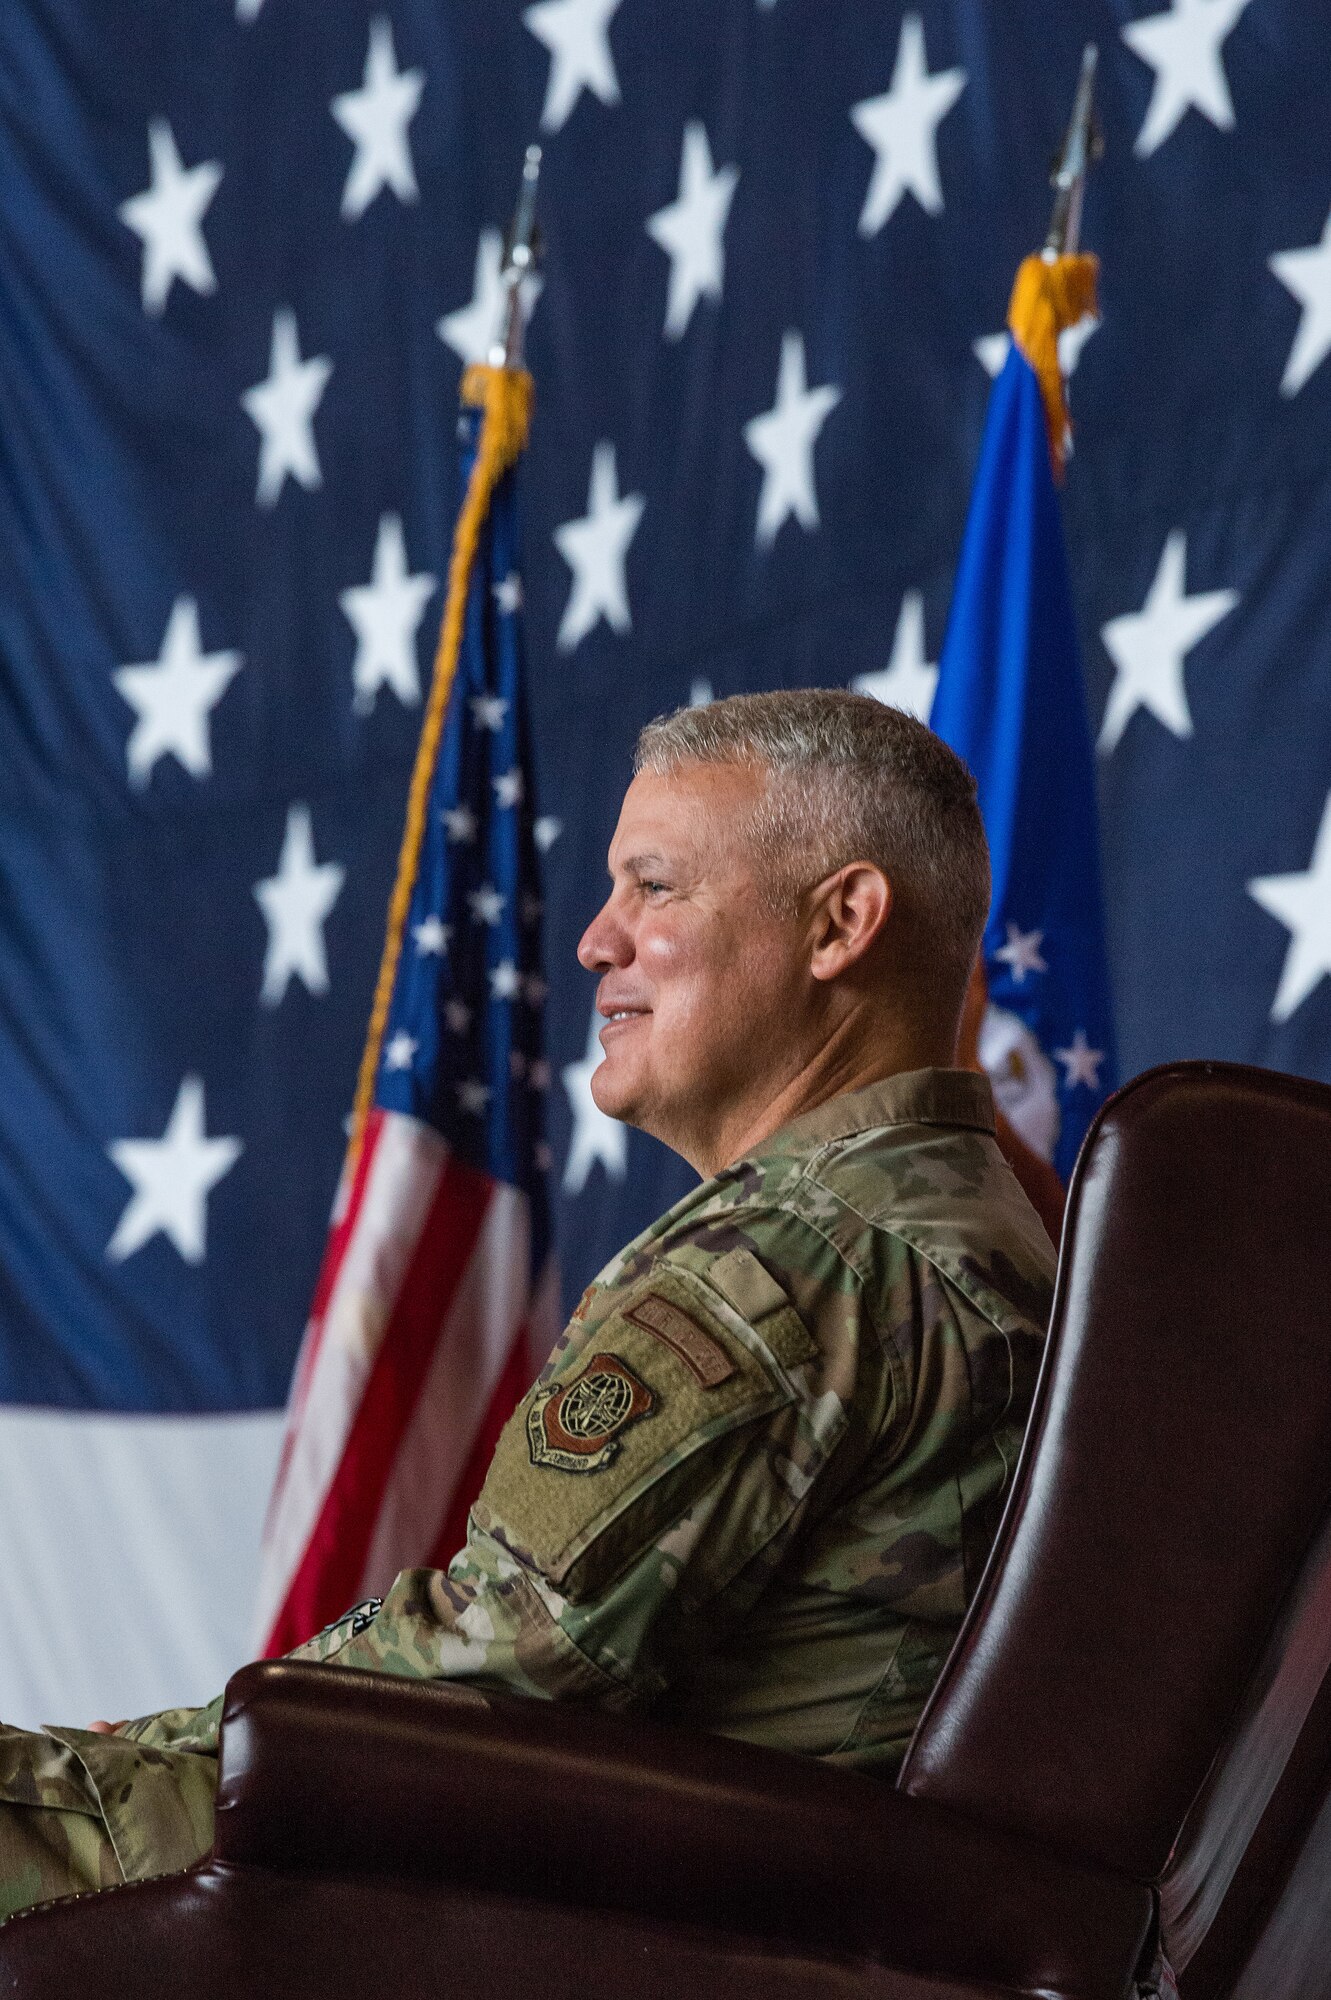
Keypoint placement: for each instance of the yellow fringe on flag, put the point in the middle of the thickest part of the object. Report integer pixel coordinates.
(505, 395)
(1047, 298)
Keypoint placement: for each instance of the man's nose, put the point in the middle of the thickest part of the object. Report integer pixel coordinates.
(605, 942)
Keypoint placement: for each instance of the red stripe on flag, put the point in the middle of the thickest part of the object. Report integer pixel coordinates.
(329, 1574)
(334, 1251)
(513, 1384)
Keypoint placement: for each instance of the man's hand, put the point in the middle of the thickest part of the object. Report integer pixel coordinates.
(105, 1728)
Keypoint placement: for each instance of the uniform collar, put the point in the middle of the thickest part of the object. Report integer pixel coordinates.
(956, 1097)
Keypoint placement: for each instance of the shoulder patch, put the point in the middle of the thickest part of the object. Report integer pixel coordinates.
(612, 1446)
(578, 1425)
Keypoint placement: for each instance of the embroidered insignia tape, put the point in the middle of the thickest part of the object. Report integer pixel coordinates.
(705, 1357)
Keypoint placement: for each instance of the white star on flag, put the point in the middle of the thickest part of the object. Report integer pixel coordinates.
(472, 330)
(902, 127)
(432, 936)
(401, 1051)
(1081, 1063)
(1021, 953)
(1307, 274)
(595, 1136)
(1183, 47)
(991, 349)
(248, 10)
(595, 549)
(691, 228)
(782, 440)
(546, 831)
(701, 693)
(473, 1096)
(508, 788)
(487, 905)
(385, 614)
(174, 697)
(168, 216)
(908, 681)
(295, 904)
(507, 594)
(375, 118)
(505, 980)
(461, 824)
(172, 1178)
(458, 1016)
(1302, 903)
(1148, 647)
(576, 32)
(488, 711)
(282, 410)
(538, 1076)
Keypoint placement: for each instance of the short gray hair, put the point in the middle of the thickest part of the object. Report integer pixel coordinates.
(850, 779)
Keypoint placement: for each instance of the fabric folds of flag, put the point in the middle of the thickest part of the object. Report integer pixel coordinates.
(437, 1290)
(1011, 701)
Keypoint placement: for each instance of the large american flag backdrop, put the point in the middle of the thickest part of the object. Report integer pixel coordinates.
(246, 247)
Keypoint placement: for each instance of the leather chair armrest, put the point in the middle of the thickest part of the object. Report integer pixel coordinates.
(337, 1772)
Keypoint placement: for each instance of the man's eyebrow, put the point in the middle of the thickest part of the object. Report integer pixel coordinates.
(647, 861)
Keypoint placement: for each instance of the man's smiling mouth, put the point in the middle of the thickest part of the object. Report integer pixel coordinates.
(622, 1017)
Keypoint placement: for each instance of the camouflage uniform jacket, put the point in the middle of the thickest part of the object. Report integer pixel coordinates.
(756, 1481)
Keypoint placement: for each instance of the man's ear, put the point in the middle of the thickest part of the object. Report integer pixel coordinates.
(850, 909)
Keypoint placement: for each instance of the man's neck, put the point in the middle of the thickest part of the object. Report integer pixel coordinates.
(843, 1063)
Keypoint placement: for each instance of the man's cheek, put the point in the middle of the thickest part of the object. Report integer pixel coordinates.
(663, 955)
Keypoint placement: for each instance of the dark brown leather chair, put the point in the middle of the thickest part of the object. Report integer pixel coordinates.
(1131, 1737)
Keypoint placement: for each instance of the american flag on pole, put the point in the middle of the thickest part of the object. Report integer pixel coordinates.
(437, 1294)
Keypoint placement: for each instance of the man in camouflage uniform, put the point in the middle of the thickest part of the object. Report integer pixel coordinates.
(755, 1484)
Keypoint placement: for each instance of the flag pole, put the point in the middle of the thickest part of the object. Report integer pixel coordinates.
(1082, 144)
(502, 390)
(520, 257)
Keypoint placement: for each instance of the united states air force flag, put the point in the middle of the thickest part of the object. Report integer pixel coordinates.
(436, 1300)
(1011, 701)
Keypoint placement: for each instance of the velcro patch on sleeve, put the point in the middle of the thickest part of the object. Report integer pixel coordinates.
(684, 1336)
(599, 1457)
(755, 1294)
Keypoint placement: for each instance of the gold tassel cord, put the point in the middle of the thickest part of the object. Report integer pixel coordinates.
(505, 397)
(1047, 298)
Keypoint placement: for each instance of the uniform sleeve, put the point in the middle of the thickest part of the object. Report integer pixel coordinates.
(178, 1728)
(198, 1729)
(657, 1470)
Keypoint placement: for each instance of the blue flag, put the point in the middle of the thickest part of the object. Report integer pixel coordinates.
(1011, 701)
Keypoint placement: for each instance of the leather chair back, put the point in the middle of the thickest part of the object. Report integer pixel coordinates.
(1161, 1584)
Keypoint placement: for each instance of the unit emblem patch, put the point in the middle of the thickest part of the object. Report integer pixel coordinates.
(577, 1426)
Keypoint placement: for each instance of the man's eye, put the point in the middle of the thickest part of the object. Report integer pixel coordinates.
(654, 888)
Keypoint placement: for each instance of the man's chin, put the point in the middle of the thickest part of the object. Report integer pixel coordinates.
(614, 1094)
